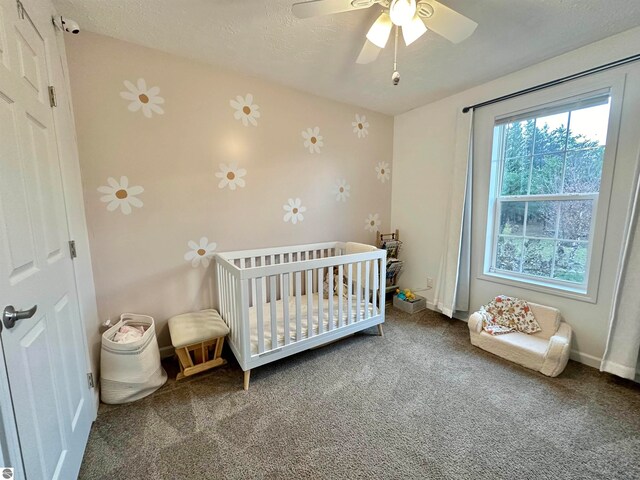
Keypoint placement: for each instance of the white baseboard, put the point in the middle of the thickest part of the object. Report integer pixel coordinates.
(166, 352)
(586, 359)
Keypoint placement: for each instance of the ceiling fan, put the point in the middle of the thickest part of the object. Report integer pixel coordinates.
(413, 17)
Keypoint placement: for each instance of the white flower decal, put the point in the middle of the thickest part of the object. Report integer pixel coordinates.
(383, 171)
(372, 222)
(341, 190)
(245, 110)
(360, 126)
(312, 139)
(200, 253)
(120, 194)
(294, 211)
(231, 176)
(143, 98)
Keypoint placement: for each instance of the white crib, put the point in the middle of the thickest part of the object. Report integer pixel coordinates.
(273, 299)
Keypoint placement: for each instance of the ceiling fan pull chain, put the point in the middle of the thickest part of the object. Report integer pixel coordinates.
(395, 77)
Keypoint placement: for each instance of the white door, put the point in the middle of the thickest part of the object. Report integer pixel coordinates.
(45, 353)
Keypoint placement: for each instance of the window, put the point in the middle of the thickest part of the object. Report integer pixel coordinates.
(546, 174)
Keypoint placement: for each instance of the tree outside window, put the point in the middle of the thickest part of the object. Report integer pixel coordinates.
(548, 181)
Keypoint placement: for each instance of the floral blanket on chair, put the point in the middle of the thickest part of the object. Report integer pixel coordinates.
(508, 314)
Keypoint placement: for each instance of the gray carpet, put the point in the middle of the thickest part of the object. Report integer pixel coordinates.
(420, 402)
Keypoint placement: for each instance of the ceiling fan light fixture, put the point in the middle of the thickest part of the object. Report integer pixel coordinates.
(362, 3)
(379, 32)
(413, 30)
(425, 10)
(402, 11)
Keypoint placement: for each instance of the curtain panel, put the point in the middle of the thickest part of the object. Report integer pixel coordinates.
(623, 342)
(452, 286)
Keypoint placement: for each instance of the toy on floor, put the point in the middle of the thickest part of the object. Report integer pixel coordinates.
(406, 295)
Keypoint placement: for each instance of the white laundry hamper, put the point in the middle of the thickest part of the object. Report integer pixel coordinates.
(130, 371)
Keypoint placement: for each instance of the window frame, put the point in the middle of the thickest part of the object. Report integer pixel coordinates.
(610, 84)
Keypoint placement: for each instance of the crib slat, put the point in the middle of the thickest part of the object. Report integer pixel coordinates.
(280, 259)
(320, 300)
(340, 296)
(225, 287)
(375, 289)
(285, 307)
(330, 303)
(253, 284)
(229, 291)
(349, 293)
(366, 289)
(358, 291)
(259, 311)
(382, 287)
(309, 303)
(298, 282)
(230, 296)
(274, 317)
(235, 312)
(229, 306)
(263, 280)
(242, 336)
(271, 262)
(312, 286)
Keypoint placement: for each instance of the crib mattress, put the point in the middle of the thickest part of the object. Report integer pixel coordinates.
(266, 318)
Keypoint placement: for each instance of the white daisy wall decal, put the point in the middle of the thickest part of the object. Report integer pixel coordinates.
(200, 253)
(245, 110)
(231, 176)
(143, 98)
(312, 139)
(341, 190)
(372, 222)
(120, 194)
(294, 211)
(383, 171)
(360, 126)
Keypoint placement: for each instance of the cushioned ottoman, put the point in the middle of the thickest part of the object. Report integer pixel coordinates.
(193, 335)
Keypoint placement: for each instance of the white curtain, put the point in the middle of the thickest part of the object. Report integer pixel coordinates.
(623, 343)
(452, 287)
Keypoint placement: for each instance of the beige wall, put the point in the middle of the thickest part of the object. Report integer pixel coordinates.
(424, 145)
(174, 154)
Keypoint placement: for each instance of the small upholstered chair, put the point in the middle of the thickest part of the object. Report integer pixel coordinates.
(192, 335)
(546, 351)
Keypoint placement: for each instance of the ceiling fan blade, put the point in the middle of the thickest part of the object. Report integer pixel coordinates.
(448, 23)
(368, 53)
(413, 30)
(316, 8)
(379, 32)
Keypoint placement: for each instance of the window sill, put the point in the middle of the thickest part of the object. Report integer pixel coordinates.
(540, 286)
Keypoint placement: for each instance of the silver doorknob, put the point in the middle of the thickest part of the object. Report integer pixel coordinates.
(10, 315)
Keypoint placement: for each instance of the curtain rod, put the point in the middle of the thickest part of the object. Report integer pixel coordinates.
(553, 83)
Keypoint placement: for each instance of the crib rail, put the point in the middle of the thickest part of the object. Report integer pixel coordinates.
(233, 306)
(292, 296)
(301, 252)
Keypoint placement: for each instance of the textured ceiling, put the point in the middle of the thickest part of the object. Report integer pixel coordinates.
(262, 38)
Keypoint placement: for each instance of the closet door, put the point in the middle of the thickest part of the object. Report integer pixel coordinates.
(41, 335)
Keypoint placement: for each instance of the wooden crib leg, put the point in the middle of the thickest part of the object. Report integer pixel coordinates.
(247, 374)
(380, 331)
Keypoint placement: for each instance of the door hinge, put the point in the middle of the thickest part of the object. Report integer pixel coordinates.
(72, 249)
(53, 102)
(90, 380)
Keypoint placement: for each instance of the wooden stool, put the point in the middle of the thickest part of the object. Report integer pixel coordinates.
(192, 335)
